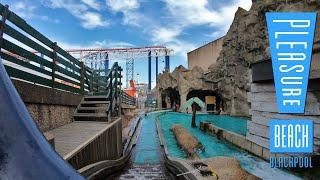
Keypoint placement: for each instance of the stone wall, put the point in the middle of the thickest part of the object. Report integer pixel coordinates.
(50, 108)
(262, 99)
(181, 79)
(264, 108)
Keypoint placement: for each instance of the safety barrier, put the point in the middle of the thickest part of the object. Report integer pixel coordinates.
(32, 57)
(127, 99)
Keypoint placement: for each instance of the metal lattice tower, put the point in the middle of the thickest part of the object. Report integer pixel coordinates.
(99, 58)
(129, 70)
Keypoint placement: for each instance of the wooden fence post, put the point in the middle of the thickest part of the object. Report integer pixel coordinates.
(120, 92)
(82, 76)
(116, 86)
(54, 62)
(91, 82)
(111, 91)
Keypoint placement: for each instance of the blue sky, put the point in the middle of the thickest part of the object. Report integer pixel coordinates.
(182, 25)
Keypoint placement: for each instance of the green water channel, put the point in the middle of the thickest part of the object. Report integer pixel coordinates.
(215, 147)
(147, 150)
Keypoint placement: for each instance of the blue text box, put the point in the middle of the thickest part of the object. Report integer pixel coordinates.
(291, 136)
(291, 41)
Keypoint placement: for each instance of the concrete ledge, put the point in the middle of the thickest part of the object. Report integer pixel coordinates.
(35, 94)
(236, 139)
(50, 108)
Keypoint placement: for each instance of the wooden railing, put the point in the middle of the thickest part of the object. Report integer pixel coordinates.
(100, 84)
(108, 85)
(30, 56)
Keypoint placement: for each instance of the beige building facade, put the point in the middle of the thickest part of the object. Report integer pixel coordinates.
(205, 55)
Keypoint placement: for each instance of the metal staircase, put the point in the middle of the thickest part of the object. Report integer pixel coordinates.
(103, 101)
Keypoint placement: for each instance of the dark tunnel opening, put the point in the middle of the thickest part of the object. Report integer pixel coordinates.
(212, 99)
(170, 98)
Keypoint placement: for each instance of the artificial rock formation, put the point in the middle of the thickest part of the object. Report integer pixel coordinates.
(245, 43)
(182, 80)
(228, 168)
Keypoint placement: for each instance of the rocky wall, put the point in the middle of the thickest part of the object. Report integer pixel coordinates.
(181, 79)
(246, 42)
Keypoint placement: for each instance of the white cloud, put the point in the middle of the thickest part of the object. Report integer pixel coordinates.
(20, 7)
(88, 18)
(95, 44)
(159, 34)
(245, 4)
(91, 20)
(112, 44)
(180, 16)
(129, 10)
(184, 15)
(227, 13)
(48, 19)
(195, 12)
(134, 18)
(93, 4)
(181, 47)
(122, 5)
(216, 34)
(30, 12)
(164, 35)
(169, 38)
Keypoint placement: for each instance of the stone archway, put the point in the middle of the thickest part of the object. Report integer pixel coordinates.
(213, 99)
(170, 97)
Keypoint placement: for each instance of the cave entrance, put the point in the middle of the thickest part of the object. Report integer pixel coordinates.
(212, 99)
(170, 98)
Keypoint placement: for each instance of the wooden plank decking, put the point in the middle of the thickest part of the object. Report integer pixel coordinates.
(73, 136)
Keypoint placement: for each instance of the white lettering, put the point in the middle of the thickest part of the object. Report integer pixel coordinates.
(291, 92)
(295, 23)
(283, 136)
(289, 33)
(292, 44)
(285, 80)
(297, 141)
(291, 102)
(290, 135)
(284, 68)
(305, 135)
(291, 56)
(276, 136)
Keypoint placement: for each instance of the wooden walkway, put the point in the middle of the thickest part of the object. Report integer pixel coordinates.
(69, 139)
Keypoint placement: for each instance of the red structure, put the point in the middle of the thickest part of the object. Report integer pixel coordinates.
(131, 91)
